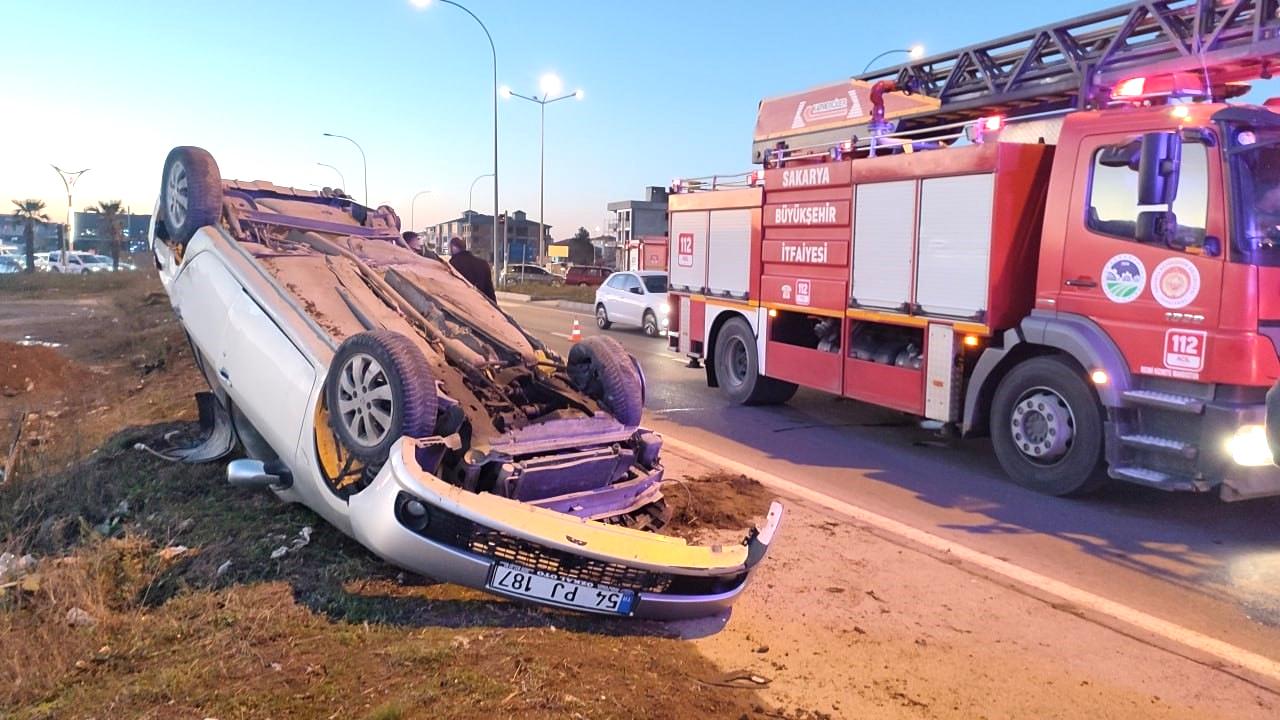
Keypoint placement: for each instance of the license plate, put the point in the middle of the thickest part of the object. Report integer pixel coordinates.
(548, 588)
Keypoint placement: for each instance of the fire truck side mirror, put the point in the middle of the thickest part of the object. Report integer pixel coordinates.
(1158, 166)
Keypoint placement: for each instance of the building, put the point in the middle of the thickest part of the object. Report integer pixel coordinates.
(476, 229)
(91, 235)
(12, 234)
(633, 219)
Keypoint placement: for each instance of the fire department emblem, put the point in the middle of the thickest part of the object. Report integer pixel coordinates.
(1123, 277)
(1175, 283)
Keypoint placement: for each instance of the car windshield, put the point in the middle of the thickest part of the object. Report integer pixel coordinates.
(655, 283)
(1256, 165)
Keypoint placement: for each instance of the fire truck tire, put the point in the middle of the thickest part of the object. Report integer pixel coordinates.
(738, 368)
(1047, 428)
(600, 367)
(190, 193)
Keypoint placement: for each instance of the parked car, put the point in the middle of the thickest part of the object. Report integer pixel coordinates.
(77, 263)
(528, 273)
(636, 298)
(586, 275)
(380, 389)
(10, 264)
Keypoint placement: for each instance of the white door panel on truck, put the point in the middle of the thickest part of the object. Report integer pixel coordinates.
(729, 253)
(940, 380)
(684, 342)
(883, 226)
(689, 250)
(955, 245)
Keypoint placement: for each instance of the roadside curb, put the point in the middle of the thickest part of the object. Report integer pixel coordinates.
(513, 297)
(584, 308)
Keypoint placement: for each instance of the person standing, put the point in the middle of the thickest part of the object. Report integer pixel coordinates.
(474, 269)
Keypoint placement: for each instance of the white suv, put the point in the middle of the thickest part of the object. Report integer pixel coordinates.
(637, 298)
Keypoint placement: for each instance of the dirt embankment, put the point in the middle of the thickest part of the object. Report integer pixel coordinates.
(161, 592)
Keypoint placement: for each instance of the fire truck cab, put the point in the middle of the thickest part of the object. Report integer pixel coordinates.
(1085, 266)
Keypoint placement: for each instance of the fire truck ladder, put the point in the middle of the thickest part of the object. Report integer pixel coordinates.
(1075, 64)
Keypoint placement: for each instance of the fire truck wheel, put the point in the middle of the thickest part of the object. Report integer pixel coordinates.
(738, 368)
(1046, 426)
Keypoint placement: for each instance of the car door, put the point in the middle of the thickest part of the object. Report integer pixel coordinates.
(632, 299)
(1159, 304)
(610, 295)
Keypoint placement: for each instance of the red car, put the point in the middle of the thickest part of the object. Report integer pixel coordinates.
(586, 275)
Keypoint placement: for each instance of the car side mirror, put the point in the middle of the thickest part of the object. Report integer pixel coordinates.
(1158, 166)
(1157, 226)
(637, 291)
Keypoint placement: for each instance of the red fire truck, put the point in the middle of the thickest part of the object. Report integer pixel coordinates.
(1066, 238)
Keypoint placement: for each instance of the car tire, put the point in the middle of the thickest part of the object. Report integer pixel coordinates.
(650, 324)
(737, 368)
(1047, 428)
(602, 317)
(190, 193)
(379, 388)
(601, 368)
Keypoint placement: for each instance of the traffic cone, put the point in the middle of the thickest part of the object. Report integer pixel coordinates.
(576, 335)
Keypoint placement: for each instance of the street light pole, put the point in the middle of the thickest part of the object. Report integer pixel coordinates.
(915, 51)
(550, 85)
(363, 161)
(412, 204)
(341, 178)
(69, 179)
(494, 52)
(471, 193)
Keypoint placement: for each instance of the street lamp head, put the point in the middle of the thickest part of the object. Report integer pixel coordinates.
(578, 94)
(504, 92)
(916, 52)
(550, 84)
(329, 135)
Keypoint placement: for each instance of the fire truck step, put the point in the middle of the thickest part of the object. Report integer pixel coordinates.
(1161, 444)
(1164, 400)
(1160, 480)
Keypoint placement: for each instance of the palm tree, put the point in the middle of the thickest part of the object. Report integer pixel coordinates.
(31, 211)
(110, 212)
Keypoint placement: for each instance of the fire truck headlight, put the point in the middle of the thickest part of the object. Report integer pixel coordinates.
(1249, 447)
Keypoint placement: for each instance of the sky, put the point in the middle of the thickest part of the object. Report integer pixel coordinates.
(670, 90)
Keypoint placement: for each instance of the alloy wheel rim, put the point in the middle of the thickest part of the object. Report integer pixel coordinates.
(365, 401)
(176, 194)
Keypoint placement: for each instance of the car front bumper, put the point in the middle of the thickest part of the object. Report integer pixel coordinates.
(460, 545)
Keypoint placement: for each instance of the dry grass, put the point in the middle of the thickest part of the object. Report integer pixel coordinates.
(327, 631)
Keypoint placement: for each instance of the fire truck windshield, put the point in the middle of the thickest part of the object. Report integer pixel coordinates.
(1257, 175)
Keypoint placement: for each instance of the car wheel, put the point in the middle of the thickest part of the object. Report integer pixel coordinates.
(738, 368)
(650, 324)
(380, 388)
(601, 368)
(1046, 428)
(190, 193)
(602, 317)
(582, 284)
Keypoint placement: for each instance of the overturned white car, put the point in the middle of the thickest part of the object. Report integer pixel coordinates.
(381, 390)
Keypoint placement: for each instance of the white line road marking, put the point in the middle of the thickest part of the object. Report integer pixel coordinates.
(1240, 657)
(562, 335)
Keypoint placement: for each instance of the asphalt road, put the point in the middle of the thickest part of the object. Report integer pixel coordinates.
(1193, 560)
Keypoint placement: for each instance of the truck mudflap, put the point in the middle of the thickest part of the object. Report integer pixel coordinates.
(485, 541)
